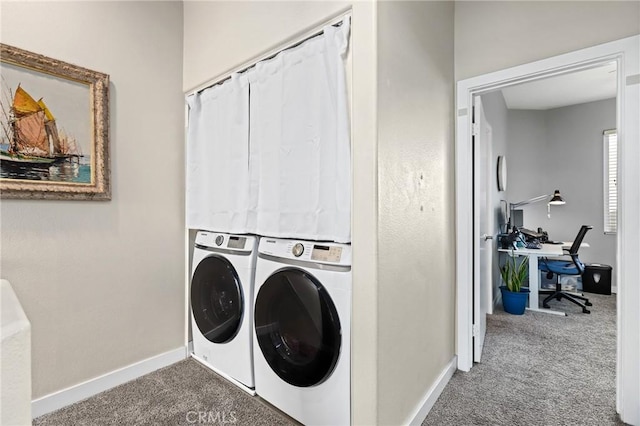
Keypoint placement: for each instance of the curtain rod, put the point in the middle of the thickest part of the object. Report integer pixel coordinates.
(335, 22)
(245, 69)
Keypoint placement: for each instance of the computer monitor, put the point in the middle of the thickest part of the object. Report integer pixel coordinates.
(517, 219)
(503, 215)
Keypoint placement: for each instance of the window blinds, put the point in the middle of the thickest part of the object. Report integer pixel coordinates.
(610, 182)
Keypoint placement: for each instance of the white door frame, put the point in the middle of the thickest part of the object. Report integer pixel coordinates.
(626, 53)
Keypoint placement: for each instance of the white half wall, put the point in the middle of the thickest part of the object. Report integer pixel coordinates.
(103, 282)
(15, 356)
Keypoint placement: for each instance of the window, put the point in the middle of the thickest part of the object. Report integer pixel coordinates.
(610, 181)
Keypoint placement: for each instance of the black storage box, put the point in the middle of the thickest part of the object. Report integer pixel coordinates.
(597, 278)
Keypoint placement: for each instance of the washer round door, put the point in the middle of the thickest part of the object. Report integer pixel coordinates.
(216, 299)
(297, 327)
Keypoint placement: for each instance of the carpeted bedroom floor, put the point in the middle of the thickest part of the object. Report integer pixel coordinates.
(539, 369)
(536, 369)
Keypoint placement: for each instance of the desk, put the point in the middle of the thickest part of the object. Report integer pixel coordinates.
(547, 250)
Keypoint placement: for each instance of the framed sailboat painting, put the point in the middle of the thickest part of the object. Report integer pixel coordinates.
(54, 135)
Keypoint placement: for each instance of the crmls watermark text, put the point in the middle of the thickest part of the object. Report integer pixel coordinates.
(211, 417)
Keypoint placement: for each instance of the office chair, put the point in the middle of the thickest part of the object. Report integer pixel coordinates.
(565, 267)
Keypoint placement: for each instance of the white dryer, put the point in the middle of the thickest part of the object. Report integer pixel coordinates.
(302, 331)
(221, 296)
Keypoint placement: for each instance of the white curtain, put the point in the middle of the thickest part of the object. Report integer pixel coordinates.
(300, 174)
(218, 157)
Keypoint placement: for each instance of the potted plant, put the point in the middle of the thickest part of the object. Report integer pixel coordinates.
(514, 273)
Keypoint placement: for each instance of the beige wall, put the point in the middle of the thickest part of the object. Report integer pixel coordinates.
(218, 37)
(102, 282)
(416, 228)
(490, 36)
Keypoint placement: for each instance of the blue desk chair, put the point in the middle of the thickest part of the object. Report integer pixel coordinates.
(565, 267)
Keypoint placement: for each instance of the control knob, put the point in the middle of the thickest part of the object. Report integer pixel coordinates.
(297, 250)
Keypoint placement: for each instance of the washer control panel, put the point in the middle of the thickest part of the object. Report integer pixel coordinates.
(215, 240)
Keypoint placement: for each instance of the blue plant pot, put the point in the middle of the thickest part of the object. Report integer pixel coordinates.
(514, 302)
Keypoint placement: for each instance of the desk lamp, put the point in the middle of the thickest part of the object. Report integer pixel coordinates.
(555, 200)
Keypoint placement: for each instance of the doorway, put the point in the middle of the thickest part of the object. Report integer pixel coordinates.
(625, 54)
(554, 134)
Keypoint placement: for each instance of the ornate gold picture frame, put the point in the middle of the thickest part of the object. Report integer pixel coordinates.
(54, 135)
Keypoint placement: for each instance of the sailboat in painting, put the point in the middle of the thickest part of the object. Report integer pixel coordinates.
(32, 135)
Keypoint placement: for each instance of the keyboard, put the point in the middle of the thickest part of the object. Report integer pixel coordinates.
(533, 245)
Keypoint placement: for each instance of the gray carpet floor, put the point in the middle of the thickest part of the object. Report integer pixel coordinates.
(539, 369)
(185, 393)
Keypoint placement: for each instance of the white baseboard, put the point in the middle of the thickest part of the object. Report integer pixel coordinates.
(432, 394)
(84, 390)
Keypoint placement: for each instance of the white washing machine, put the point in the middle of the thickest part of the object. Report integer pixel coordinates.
(302, 336)
(221, 296)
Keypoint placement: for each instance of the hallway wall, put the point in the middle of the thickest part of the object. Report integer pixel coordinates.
(492, 35)
(103, 282)
(416, 203)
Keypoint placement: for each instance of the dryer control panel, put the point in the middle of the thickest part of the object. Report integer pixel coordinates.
(327, 253)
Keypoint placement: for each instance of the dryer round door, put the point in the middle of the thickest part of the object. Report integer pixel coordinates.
(216, 299)
(297, 327)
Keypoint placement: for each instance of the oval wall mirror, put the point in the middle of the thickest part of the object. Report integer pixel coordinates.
(502, 173)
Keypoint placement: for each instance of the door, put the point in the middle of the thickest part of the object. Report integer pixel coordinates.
(482, 229)
(297, 327)
(216, 299)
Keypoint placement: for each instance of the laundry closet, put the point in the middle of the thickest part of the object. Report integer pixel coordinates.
(268, 192)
